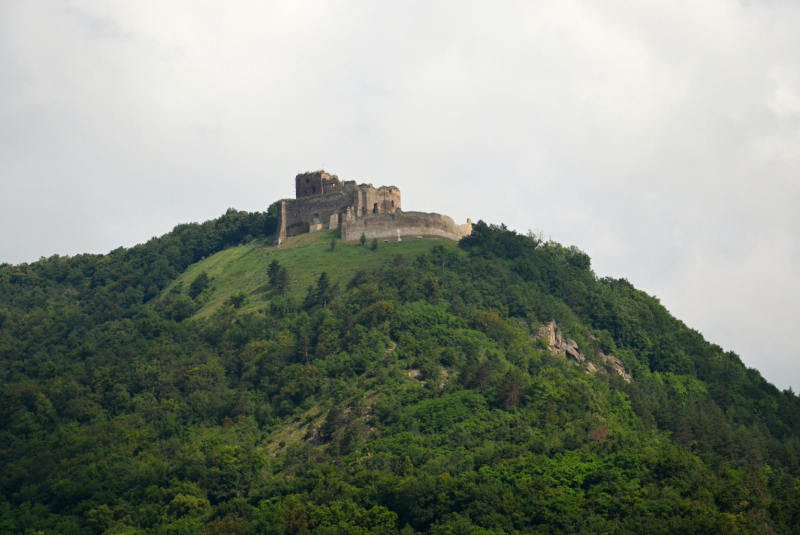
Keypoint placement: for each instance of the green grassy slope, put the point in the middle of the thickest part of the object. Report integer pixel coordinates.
(244, 268)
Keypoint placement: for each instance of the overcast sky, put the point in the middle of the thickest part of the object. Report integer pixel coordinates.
(663, 138)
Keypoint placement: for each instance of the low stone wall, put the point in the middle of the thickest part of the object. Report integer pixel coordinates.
(398, 224)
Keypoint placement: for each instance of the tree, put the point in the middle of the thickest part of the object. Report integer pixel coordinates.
(273, 269)
(334, 420)
(278, 277)
(512, 389)
(282, 281)
(237, 300)
(374, 243)
(311, 297)
(325, 290)
(363, 238)
(333, 244)
(199, 284)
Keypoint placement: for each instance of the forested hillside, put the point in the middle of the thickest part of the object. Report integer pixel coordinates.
(208, 383)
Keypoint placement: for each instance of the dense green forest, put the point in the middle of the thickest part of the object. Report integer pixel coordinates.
(408, 392)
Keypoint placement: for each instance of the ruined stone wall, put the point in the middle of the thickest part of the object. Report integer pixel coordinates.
(322, 202)
(384, 200)
(308, 184)
(383, 226)
(312, 213)
(334, 185)
(319, 183)
(370, 200)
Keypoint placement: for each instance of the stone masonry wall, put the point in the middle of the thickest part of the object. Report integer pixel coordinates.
(319, 183)
(323, 201)
(383, 226)
(307, 184)
(315, 212)
(383, 200)
(311, 213)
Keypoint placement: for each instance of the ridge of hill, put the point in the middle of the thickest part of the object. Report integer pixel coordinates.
(408, 389)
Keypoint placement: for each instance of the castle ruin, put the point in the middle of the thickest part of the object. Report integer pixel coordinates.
(324, 202)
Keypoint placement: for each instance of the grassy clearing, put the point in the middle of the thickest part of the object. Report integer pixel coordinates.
(294, 431)
(244, 268)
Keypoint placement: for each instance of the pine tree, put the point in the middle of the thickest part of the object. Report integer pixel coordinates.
(325, 290)
(282, 281)
(272, 270)
(278, 277)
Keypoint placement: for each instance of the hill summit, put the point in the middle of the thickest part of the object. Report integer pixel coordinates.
(209, 382)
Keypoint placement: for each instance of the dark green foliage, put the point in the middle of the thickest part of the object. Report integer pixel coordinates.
(416, 400)
(363, 238)
(323, 293)
(112, 286)
(238, 299)
(273, 270)
(374, 244)
(278, 277)
(199, 284)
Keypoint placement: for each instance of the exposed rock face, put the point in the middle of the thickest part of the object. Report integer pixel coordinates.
(615, 364)
(571, 350)
(553, 335)
(558, 345)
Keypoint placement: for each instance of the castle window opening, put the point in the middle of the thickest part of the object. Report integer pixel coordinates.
(307, 181)
(392, 204)
(313, 189)
(375, 208)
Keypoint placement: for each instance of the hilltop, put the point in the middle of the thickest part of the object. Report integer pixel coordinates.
(490, 385)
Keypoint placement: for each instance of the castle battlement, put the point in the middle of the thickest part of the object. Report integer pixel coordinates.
(323, 201)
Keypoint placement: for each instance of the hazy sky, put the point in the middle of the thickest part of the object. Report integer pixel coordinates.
(663, 138)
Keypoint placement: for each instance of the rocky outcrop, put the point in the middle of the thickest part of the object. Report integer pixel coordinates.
(615, 364)
(571, 351)
(568, 348)
(558, 345)
(553, 336)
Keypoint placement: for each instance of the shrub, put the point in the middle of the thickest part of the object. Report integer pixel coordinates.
(199, 284)
(237, 300)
